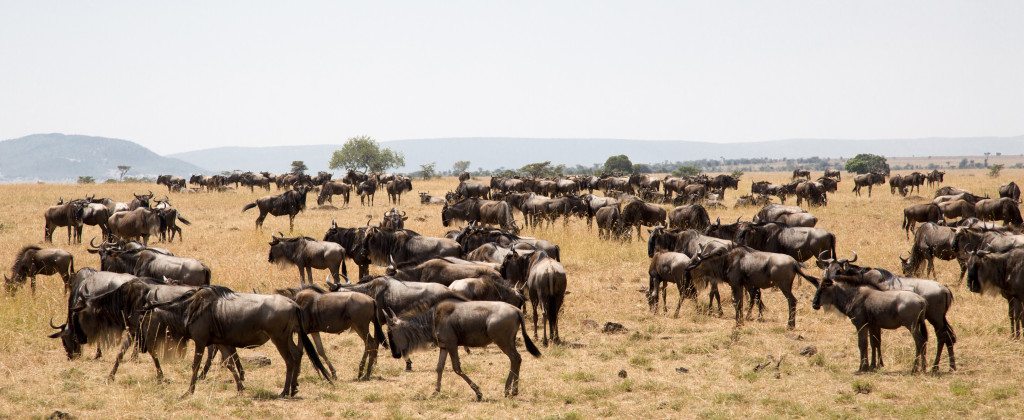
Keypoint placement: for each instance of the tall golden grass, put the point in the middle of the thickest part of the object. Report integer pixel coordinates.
(693, 366)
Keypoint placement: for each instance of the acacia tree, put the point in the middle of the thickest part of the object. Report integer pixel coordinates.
(299, 167)
(364, 153)
(122, 170)
(427, 170)
(460, 166)
(867, 162)
(618, 163)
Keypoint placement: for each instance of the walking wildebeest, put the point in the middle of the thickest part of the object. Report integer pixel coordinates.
(173, 183)
(545, 281)
(335, 313)
(867, 180)
(930, 241)
(920, 213)
(834, 173)
(636, 213)
(64, 214)
(351, 239)
(801, 243)
(609, 224)
(485, 212)
(454, 322)
(396, 188)
(84, 325)
(169, 217)
(1004, 209)
(140, 223)
(961, 209)
(151, 262)
(801, 173)
(288, 203)
(33, 260)
(935, 177)
(692, 216)
(1000, 272)
(307, 253)
(332, 188)
(218, 315)
(870, 309)
(668, 267)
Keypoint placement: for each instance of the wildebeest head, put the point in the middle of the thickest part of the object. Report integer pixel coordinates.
(282, 250)
(141, 200)
(977, 258)
(823, 296)
(406, 335)
(72, 337)
(393, 219)
(447, 215)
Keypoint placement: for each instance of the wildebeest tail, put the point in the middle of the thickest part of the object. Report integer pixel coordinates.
(184, 220)
(832, 243)
(557, 254)
(378, 332)
(249, 206)
(310, 350)
(814, 280)
(207, 276)
(530, 347)
(905, 227)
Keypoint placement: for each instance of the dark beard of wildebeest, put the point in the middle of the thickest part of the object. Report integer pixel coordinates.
(545, 283)
(743, 268)
(443, 271)
(63, 215)
(814, 192)
(938, 297)
(332, 188)
(595, 203)
(335, 313)
(920, 213)
(151, 262)
(471, 189)
(472, 237)
(33, 260)
(455, 322)
(801, 173)
(398, 296)
(393, 219)
(83, 325)
(636, 213)
(169, 217)
(150, 330)
(354, 178)
(486, 212)
(173, 183)
(366, 190)
(140, 201)
(397, 247)
(931, 241)
(215, 315)
(867, 180)
(609, 224)
(692, 216)
(306, 254)
(969, 239)
(870, 309)
(351, 239)
(834, 173)
(288, 203)
(396, 188)
(1000, 272)
(787, 215)
(140, 223)
(1004, 209)
(1011, 191)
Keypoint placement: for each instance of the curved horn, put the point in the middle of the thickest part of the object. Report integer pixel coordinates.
(54, 326)
(91, 242)
(825, 260)
(150, 193)
(854, 258)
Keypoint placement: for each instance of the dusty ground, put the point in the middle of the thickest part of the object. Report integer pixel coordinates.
(693, 366)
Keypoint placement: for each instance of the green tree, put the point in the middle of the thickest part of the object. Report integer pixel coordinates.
(642, 168)
(123, 169)
(542, 169)
(460, 166)
(686, 171)
(866, 162)
(618, 163)
(427, 170)
(364, 153)
(299, 167)
(994, 170)
(86, 180)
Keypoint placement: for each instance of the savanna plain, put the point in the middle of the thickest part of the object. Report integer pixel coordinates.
(696, 365)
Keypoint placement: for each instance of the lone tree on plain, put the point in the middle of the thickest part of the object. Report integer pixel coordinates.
(618, 163)
(122, 170)
(364, 153)
(460, 166)
(866, 162)
(428, 171)
(299, 167)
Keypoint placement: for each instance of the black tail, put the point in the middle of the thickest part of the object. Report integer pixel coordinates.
(378, 332)
(950, 334)
(249, 206)
(185, 221)
(554, 306)
(814, 280)
(832, 238)
(530, 347)
(310, 350)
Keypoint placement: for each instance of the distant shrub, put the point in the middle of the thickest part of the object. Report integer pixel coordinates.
(994, 170)
(86, 180)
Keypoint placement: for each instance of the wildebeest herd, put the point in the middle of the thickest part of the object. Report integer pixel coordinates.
(475, 285)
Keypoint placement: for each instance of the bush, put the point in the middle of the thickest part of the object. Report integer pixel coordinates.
(866, 162)
(686, 171)
(994, 170)
(86, 180)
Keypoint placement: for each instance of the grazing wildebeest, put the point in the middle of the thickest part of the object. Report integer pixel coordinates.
(834, 173)
(829, 184)
(692, 216)
(485, 212)
(801, 243)
(1003, 273)
(961, 209)
(472, 237)
(351, 239)
(332, 188)
(594, 203)
(920, 213)
(135, 224)
(609, 224)
(169, 218)
(813, 192)
(801, 173)
(1004, 209)
(173, 183)
(140, 200)
(93, 214)
(397, 247)
(668, 267)
(151, 262)
(426, 198)
(216, 315)
(545, 282)
(867, 180)
(1010, 190)
(487, 288)
(636, 213)
(306, 254)
(743, 268)
(83, 324)
(897, 184)
(870, 309)
(454, 322)
(443, 271)
(967, 239)
(366, 190)
(33, 260)
(788, 215)
(931, 240)
(64, 214)
(396, 188)
(489, 253)
(335, 313)
(935, 177)
(288, 203)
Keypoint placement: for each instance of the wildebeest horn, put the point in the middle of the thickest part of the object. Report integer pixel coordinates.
(368, 218)
(61, 327)
(334, 224)
(854, 258)
(280, 234)
(825, 260)
(91, 242)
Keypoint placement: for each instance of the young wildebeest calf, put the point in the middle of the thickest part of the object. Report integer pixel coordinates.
(871, 309)
(610, 225)
(545, 280)
(452, 323)
(306, 254)
(33, 260)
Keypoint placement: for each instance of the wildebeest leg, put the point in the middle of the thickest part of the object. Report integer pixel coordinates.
(408, 364)
(369, 352)
(875, 339)
(211, 351)
(260, 219)
(99, 351)
(302, 276)
(533, 303)
(291, 222)
(117, 359)
(940, 337)
(515, 360)
(320, 349)
(920, 343)
(285, 349)
(862, 344)
(442, 357)
(792, 307)
(664, 296)
(33, 283)
(681, 287)
(196, 360)
(457, 367)
(737, 302)
(230, 359)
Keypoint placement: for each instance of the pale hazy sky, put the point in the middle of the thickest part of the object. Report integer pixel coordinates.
(183, 75)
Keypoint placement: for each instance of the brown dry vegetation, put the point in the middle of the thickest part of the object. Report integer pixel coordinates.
(580, 379)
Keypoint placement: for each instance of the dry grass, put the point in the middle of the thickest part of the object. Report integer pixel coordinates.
(576, 380)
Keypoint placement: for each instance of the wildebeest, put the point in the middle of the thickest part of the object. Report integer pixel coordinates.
(351, 240)
(935, 177)
(813, 192)
(486, 212)
(920, 213)
(332, 188)
(216, 315)
(426, 198)
(83, 325)
(173, 183)
(594, 203)
(443, 271)
(354, 178)
(897, 184)
(950, 190)
(471, 189)
(64, 214)
(1004, 209)
(1003, 273)
(366, 190)
(636, 213)
(335, 313)
(692, 216)
(788, 215)
(396, 188)
(288, 203)
(801, 173)
(211, 183)
(472, 237)
(961, 209)
(306, 254)
(33, 260)
(1010, 190)
(834, 173)
(489, 253)
(488, 288)
(394, 219)
(870, 309)
(743, 268)
(801, 243)
(454, 322)
(668, 267)
(931, 240)
(867, 180)
(151, 262)
(93, 214)
(169, 218)
(398, 247)
(463, 176)
(752, 201)
(545, 281)
(967, 239)
(609, 224)
(140, 223)
(140, 200)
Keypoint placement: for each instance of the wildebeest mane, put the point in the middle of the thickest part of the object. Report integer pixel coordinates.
(23, 259)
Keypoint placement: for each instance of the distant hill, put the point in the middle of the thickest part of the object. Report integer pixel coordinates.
(491, 153)
(62, 158)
